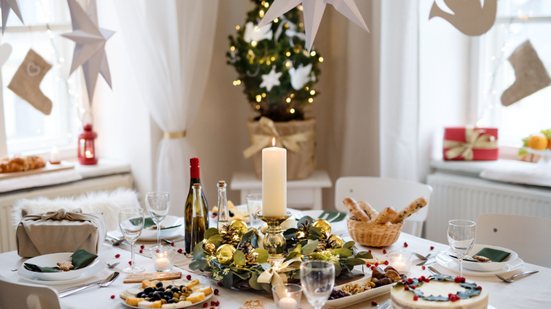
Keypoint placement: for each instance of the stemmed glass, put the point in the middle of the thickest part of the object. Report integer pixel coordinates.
(157, 206)
(461, 235)
(131, 224)
(317, 279)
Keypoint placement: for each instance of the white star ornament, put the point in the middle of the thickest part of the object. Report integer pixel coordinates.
(270, 80)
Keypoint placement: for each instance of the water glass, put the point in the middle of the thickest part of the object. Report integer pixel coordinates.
(287, 296)
(317, 279)
(254, 204)
(157, 205)
(131, 222)
(461, 235)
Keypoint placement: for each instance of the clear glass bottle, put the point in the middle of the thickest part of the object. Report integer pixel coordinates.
(223, 211)
(198, 223)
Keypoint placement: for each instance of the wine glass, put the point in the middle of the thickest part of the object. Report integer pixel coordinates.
(317, 279)
(131, 224)
(461, 235)
(157, 206)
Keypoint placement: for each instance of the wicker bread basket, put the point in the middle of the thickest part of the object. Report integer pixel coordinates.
(374, 235)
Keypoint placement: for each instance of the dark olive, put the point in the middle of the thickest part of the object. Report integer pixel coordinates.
(148, 290)
(159, 284)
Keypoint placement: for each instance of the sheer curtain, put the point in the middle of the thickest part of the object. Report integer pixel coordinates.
(171, 46)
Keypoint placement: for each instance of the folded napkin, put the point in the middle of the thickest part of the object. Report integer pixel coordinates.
(80, 259)
(493, 254)
(59, 231)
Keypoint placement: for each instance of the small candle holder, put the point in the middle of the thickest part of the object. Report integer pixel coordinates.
(163, 258)
(400, 260)
(287, 296)
(274, 241)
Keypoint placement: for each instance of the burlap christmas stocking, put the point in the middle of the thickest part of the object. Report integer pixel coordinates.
(26, 81)
(530, 74)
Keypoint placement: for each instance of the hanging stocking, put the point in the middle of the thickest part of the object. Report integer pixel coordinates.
(26, 81)
(530, 74)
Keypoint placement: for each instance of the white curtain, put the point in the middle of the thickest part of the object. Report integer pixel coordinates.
(399, 89)
(170, 43)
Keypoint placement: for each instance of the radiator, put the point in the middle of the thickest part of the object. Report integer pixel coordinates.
(465, 197)
(7, 229)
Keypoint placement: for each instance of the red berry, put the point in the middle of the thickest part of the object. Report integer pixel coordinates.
(386, 263)
(188, 277)
(384, 251)
(180, 250)
(415, 297)
(205, 305)
(410, 281)
(372, 268)
(423, 267)
(406, 288)
(479, 288)
(412, 287)
(405, 244)
(373, 303)
(130, 263)
(367, 264)
(216, 292)
(376, 264)
(213, 303)
(141, 251)
(431, 248)
(172, 243)
(142, 247)
(117, 256)
(422, 278)
(459, 280)
(112, 296)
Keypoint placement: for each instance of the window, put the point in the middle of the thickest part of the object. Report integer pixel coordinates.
(26, 130)
(517, 21)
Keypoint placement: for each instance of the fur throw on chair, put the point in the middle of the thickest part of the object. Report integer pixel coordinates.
(103, 203)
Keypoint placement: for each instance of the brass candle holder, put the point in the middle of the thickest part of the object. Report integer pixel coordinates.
(274, 241)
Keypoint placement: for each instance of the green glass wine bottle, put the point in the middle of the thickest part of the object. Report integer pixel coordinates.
(189, 207)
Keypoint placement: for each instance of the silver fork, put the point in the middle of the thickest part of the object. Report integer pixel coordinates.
(434, 270)
(513, 278)
(101, 283)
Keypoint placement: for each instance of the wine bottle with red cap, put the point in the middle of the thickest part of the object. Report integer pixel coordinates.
(194, 179)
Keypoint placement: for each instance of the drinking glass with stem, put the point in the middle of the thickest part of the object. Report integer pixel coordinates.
(461, 236)
(317, 279)
(157, 205)
(131, 222)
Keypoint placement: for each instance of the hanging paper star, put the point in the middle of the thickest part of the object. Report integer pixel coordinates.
(271, 79)
(6, 6)
(313, 12)
(89, 46)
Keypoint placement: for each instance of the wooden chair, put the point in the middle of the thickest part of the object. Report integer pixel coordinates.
(385, 192)
(528, 236)
(27, 296)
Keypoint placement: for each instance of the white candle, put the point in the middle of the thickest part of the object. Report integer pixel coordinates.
(162, 263)
(287, 303)
(400, 261)
(274, 181)
(54, 155)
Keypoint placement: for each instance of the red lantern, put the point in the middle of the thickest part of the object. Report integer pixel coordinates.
(86, 149)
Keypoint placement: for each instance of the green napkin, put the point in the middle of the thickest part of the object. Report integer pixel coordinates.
(80, 259)
(493, 254)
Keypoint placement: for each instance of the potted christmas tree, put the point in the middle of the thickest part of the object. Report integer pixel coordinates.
(278, 75)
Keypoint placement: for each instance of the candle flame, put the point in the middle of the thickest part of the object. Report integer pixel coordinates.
(273, 142)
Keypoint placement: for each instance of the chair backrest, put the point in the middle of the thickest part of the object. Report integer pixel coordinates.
(27, 296)
(385, 192)
(528, 236)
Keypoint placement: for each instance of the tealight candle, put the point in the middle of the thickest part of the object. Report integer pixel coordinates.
(287, 303)
(287, 296)
(54, 156)
(162, 258)
(400, 261)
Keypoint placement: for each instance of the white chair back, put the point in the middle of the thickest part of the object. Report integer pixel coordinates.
(385, 192)
(528, 236)
(27, 296)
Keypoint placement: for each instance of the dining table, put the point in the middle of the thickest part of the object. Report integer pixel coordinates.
(531, 292)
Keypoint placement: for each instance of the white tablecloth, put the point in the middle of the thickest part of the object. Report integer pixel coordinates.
(531, 292)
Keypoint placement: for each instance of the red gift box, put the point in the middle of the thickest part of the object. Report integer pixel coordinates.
(470, 144)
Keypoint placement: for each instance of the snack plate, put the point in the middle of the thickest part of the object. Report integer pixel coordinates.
(124, 294)
(360, 297)
(443, 259)
(489, 266)
(51, 260)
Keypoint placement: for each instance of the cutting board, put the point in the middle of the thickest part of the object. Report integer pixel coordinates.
(49, 168)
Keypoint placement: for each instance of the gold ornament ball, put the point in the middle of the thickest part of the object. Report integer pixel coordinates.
(239, 227)
(335, 241)
(209, 248)
(224, 254)
(323, 226)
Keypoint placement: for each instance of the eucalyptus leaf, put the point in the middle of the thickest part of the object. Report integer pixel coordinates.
(227, 280)
(211, 232)
(342, 252)
(349, 244)
(253, 282)
(353, 261)
(364, 255)
(239, 258)
(262, 255)
(310, 247)
(304, 221)
(215, 239)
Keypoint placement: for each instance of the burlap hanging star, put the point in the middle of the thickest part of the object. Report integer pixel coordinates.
(89, 46)
(7, 6)
(313, 13)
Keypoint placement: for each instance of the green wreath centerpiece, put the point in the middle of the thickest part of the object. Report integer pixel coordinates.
(233, 256)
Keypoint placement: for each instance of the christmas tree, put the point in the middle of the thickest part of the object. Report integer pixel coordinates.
(276, 71)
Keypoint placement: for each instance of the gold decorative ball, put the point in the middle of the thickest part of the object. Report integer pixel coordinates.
(335, 241)
(322, 225)
(224, 254)
(209, 248)
(239, 227)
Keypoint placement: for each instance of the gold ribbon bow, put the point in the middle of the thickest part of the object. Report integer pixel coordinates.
(474, 139)
(269, 131)
(275, 275)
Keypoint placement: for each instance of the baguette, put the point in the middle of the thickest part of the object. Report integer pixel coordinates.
(368, 209)
(387, 215)
(411, 209)
(355, 210)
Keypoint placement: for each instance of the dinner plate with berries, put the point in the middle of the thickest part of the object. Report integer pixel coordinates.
(167, 294)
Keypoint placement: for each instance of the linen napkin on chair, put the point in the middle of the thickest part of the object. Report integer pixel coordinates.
(59, 231)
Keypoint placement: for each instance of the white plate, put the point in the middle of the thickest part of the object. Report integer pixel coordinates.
(443, 259)
(174, 224)
(139, 288)
(488, 266)
(57, 277)
(360, 297)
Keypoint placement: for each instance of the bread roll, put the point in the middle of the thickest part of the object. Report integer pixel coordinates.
(368, 209)
(355, 211)
(411, 209)
(387, 215)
